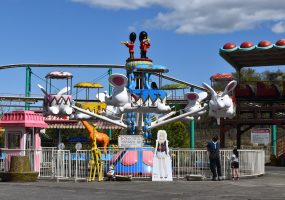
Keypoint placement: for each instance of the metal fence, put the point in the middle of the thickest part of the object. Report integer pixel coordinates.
(48, 162)
(62, 164)
(5, 158)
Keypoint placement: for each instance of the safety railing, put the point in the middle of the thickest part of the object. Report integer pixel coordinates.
(6, 154)
(184, 162)
(196, 162)
(62, 164)
(63, 167)
(252, 162)
(48, 160)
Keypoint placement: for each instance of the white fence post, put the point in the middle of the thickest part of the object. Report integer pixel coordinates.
(60, 164)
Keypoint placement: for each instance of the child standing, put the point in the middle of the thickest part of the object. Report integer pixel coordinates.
(235, 164)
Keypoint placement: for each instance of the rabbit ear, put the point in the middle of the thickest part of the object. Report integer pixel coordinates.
(43, 89)
(209, 88)
(118, 80)
(202, 96)
(101, 96)
(63, 90)
(230, 87)
(191, 96)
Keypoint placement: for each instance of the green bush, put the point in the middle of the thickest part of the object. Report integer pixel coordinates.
(273, 160)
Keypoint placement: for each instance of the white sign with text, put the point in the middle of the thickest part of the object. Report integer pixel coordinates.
(260, 136)
(130, 141)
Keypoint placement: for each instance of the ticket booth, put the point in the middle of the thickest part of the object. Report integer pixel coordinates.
(22, 135)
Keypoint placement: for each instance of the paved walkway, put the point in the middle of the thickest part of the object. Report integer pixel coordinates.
(270, 186)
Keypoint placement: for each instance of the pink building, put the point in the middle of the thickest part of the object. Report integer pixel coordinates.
(22, 133)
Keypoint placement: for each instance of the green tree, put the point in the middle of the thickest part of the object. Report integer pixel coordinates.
(2, 140)
(176, 134)
(249, 75)
(273, 76)
(174, 86)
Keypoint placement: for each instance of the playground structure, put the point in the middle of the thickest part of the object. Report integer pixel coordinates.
(134, 99)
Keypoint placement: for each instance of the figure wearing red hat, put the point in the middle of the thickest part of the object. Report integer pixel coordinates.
(131, 44)
(145, 43)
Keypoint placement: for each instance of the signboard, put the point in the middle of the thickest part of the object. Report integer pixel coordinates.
(78, 139)
(260, 136)
(130, 141)
(57, 118)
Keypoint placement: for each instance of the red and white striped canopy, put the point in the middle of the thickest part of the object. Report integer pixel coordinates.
(78, 125)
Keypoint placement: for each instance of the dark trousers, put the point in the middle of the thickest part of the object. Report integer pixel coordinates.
(143, 54)
(215, 167)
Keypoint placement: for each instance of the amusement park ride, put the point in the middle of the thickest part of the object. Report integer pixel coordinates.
(136, 98)
(260, 103)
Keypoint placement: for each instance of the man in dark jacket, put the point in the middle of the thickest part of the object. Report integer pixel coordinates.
(213, 148)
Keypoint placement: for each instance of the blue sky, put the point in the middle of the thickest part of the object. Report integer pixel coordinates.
(185, 35)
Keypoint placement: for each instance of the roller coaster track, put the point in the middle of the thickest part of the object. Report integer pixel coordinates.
(62, 65)
(179, 81)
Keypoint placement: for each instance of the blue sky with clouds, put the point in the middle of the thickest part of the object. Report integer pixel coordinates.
(185, 34)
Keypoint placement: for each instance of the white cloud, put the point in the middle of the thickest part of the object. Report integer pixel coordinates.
(279, 27)
(132, 29)
(204, 16)
(118, 4)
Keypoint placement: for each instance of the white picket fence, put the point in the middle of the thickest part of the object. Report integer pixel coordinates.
(62, 164)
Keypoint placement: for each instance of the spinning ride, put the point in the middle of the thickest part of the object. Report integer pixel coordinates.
(135, 98)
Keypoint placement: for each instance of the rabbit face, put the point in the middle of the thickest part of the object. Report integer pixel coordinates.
(221, 105)
(221, 102)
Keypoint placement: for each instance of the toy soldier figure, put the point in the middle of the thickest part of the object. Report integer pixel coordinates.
(145, 43)
(131, 44)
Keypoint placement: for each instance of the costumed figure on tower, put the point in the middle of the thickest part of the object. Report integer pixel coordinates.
(131, 44)
(145, 43)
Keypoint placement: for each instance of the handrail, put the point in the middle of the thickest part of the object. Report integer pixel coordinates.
(179, 81)
(43, 65)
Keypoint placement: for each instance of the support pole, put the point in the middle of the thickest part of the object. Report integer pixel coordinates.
(59, 137)
(192, 134)
(273, 139)
(116, 122)
(222, 133)
(110, 92)
(192, 129)
(110, 87)
(238, 136)
(28, 86)
(191, 113)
